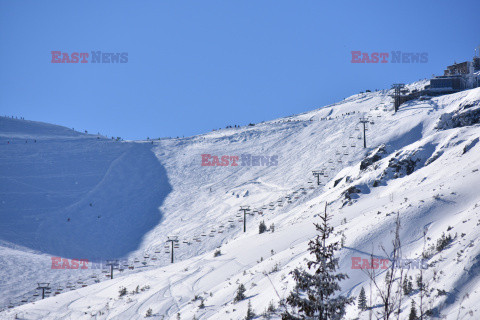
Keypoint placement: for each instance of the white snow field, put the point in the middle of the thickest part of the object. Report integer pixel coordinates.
(124, 198)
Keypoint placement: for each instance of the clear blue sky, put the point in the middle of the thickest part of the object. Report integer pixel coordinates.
(198, 65)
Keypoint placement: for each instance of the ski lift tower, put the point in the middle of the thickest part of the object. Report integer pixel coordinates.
(112, 263)
(365, 121)
(317, 174)
(245, 209)
(397, 94)
(174, 241)
(44, 286)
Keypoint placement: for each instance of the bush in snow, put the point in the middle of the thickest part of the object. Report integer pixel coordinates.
(122, 291)
(149, 313)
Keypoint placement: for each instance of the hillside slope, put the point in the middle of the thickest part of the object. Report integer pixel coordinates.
(422, 163)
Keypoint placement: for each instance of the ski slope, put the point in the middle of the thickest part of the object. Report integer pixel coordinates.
(125, 198)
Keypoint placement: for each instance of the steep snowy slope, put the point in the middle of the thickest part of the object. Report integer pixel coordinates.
(423, 163)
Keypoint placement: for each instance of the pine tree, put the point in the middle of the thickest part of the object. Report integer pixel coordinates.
(240, 293)
(407, 286)
(413, 312)
(250, 313)
(362, 300)
(313, 295)
(262, 227)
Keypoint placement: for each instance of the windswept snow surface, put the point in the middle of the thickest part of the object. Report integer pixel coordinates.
(427, 170)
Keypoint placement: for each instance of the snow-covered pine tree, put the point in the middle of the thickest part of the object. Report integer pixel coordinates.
(413, 312)
(407, 286)
(362, 300)
(250, 313)
(262, 227)
(240, 293)
(314, 294)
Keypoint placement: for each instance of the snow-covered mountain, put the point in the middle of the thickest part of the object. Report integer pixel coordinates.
(79, 196)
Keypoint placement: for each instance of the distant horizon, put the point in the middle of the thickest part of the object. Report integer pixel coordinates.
(96, 132)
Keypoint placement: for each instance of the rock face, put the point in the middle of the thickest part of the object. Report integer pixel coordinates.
(373, 157)
(468, 114)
